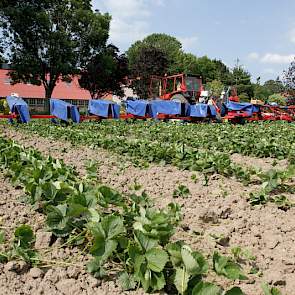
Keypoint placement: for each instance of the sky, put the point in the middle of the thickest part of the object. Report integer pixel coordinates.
(260, 33)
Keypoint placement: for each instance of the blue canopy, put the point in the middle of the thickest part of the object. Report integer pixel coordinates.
(104, 108)
(165, 107)
(138, 107)
(64, 110)
(201, 110)
(19, 106)
(246, 107)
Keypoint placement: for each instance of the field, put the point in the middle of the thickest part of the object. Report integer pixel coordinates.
(135, 207)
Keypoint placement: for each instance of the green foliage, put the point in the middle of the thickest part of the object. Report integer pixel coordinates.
(112, 69)
(215, 87)
(178, 61)
(261, 92)
(182, 191)
(149, 61)
(224, 266)
(277, 98)
(51, 40)
(23, 244)
(133, 236)
(267, 290)
(169, 47)
(274, 86)
(242, 81)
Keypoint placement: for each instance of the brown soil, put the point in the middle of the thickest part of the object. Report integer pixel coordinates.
(62, 275)
(216, 217)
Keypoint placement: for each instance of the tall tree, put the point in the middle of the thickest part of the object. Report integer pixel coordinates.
(241, 79)
(169, 45)
(51, 39)
(289, 78)
(105, 73)
(274, 86)
(149, 61)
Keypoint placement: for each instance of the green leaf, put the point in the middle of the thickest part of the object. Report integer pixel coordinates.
(234, 291)
(112, 226)
(145, 242)
(267, 290)
(2, 237)
(95, 268)
(156, 259)
(174, 251)
(204, 288)
(24, 236)
(157, 281)
(127, 281)
(181, 280)
(224, 266)
(103, 248)
(194, 262)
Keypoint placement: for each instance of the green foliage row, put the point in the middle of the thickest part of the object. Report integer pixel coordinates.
(204, 148)
(123, 233)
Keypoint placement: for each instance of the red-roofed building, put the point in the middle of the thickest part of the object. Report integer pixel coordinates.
(35, 95)
(62, 90)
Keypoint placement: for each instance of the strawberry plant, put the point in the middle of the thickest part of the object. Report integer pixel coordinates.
(123, 233)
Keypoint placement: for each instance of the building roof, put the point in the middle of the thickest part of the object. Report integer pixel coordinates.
(62, 90)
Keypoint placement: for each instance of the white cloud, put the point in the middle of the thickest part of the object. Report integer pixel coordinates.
(271, 58)
(253, 56)
(188, 42)
(130, 19)
(274, 58)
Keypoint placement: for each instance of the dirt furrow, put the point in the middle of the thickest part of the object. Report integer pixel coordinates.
(217, 216)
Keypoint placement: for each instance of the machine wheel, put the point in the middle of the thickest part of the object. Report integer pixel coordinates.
(179, 98)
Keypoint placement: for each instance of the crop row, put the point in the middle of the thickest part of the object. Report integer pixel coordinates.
(141, 149)
(265, 139)
(123, 233)
(205, 160)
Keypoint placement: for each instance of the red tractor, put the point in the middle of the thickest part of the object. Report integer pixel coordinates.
(181, 88)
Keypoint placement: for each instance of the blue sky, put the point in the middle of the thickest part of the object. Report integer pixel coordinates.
(261, 33)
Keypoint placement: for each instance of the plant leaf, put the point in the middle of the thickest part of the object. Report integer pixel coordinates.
(156, 259)
(204, 288)
(181, 280)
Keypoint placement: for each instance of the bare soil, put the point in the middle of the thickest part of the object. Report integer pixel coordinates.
(215, 217)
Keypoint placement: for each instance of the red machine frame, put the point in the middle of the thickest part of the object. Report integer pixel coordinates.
(165, 94)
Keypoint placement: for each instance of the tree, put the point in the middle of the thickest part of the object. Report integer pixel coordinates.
(168, 45)
(215, 87)
(51, 39)
(274, 86)
(206, 68)
(105, 73)
(261, 92)
(187, 63)
(289, 78)
(149, 61)
(241, 79)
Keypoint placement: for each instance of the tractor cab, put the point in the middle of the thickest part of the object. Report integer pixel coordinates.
(183, 88)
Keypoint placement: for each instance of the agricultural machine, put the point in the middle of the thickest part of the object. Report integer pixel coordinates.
(180, 88)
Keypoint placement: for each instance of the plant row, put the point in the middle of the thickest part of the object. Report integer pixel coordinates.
(124, 234)
(264, 139)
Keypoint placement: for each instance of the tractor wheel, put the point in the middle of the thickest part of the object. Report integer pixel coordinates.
(179, 98)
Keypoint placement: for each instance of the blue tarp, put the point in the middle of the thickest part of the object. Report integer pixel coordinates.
(19, 106)
(245, 107)
(103, 108)
(201, 110)
(165, 107)
(64, 110)
(138, 107)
